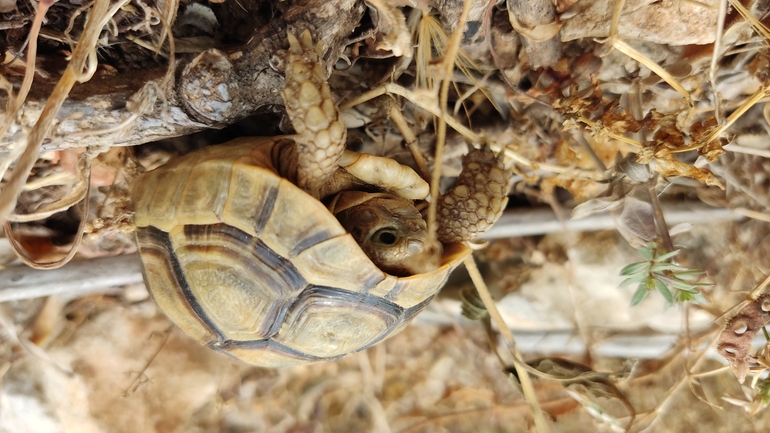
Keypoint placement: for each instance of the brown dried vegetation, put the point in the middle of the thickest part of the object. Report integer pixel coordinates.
(618, 115)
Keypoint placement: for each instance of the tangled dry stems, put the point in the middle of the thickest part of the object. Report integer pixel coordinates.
(83, 64)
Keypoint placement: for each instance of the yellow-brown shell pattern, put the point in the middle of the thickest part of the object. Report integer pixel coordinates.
(476, 201)
(247, 263)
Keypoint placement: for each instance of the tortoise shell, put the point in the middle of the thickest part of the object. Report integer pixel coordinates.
(249, 264)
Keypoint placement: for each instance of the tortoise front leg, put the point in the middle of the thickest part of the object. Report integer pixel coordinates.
(477, 200)
(321, 133)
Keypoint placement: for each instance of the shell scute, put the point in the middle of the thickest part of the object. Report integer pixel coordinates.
(158, 193)
(205, 192)
(324, 263)
(297, 222)
(250, 198)
(243, 286)
(266, 353)
(414, 290)
(162, 275)
(330, 322)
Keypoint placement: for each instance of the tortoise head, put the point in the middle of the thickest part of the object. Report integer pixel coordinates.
(390, 230)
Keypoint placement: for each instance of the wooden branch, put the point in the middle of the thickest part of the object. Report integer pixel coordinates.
(211, 90)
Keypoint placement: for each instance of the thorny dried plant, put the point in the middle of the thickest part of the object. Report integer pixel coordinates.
(651, 141)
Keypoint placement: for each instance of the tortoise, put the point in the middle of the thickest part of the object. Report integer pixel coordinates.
(290, 250)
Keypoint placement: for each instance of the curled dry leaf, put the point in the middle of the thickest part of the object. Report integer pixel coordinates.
(667, 165)
(700, 130)
(583, 383)
(760, 67)
(596, 205)
(610, 199)
(735, 341)
(618, 120)
(637, 221)
(666, 131)
(637, 173)
(712, 151)
(579, 103)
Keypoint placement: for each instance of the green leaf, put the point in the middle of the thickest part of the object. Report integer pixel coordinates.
(664, 291)
(638, 279)
(663, 267)
(692, 297)
(690, 273)
(700, 283)
(650, 284)
(639, 295)
(634, 268)
(679, 284)
(667, 256)
(646, 252)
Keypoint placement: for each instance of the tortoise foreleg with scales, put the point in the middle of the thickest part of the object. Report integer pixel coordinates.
(240, 251)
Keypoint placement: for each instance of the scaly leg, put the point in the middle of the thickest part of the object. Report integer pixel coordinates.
(477, 200)
(321, 133)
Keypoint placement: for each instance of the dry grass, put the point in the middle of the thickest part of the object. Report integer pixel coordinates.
(670, 129)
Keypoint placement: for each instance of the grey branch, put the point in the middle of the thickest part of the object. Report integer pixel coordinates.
(211, 90)
(88, 276)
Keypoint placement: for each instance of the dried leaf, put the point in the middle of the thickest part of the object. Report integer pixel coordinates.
(667, 165)
(637, 219)
(712, 150)
(620, 121)
(760, 67)
(583, 381)
(628, 165)
(594, 206)
(667, 133)
(580, 102)
(679, 229)
(699, 130)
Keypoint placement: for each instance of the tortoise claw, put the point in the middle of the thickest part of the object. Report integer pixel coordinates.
(294, 46)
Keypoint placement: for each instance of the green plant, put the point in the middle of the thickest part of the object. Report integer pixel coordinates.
(677, 284)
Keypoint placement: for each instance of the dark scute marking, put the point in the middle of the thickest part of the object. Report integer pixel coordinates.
(280, 265)
(161, 240)
(261, 253)
(152, 235)
(263, 214)
(391, 311)
(409, 313)
(406, 317)
(255, 256)
(151, 238)
(280, 317)
(309, 241)
(203, 232)
(268, 344)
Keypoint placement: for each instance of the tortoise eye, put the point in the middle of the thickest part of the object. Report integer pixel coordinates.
(386, 237)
